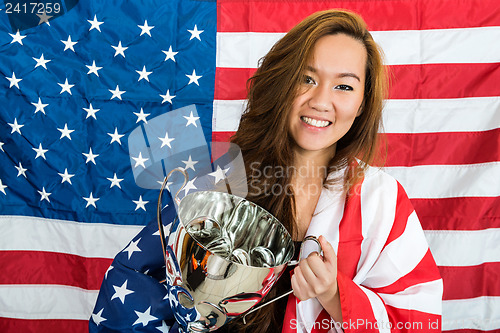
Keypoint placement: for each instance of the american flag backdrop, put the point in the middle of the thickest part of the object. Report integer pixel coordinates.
(74, 86)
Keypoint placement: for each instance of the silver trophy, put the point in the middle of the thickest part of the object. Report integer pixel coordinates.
(223, 254)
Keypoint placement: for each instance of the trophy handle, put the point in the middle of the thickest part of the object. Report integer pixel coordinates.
(158, 208)
(290, 263)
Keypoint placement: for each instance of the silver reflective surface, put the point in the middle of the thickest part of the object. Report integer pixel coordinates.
(223, 255)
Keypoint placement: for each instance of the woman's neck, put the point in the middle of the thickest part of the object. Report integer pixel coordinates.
(311, 165)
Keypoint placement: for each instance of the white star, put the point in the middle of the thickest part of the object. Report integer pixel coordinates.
(115, 181)
(166, 186)
(90, 156)
(68, 44)
(66, 177)
(121, 292)
(169, 54)
(98, 318)
(91, 200)
(40, 151)
(141, 116)
(143, 74)
(115, 136)
(41, 61)
(189, 186)
(65, 132)
(93, 68)
(189, 163)
(117, 93)
(166, 141)
(145, 29)
(191, 119)
(144, 317)
(107, 271)
(15, 127)
(21, 170)
(219, 174)
(44, 18)
(164, 328)
(91, 112)
(195, 33)
(17, 38)
(66, 87)
(1, 146)
(132, 247)
(119, 49)
(3, 187)
(140, 203)
(45, 195)
(193, 78)
(14, 81)
(40, 106)
(95, 24)
(167, 97)
(139, 160)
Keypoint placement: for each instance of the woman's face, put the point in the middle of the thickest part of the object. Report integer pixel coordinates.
(330, 95)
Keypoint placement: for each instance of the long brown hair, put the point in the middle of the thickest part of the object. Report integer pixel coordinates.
(263, 135)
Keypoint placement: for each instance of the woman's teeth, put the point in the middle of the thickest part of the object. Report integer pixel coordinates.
(314, 122)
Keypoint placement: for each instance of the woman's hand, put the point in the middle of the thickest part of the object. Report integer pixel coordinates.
(316, 276)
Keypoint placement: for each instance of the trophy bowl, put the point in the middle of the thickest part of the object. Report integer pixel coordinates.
(223, 254)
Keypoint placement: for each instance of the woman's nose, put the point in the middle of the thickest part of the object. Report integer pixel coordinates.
(321, 98)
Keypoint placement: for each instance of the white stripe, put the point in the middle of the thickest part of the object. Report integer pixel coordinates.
(227, 114)
(379, 193)
(440, 46)
(481, 313)
(379, 311)
(424, 297)
(402, 116)
(447, 181)
(467, 45)
(464, 247)
(442, 115)
(399, 257)
(46, 302)
(91, 240)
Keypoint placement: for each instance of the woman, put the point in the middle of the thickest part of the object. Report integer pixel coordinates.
(315, 104)
(308, 135)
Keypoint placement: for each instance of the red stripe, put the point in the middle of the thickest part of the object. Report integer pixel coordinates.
(351, 233)
(11, 325)
(257, 16)
(462, 282)
(450, 148)
(458, 213)
(429, 81)
(230, 83)
(425, 271)
(221, 136)
(404, 208)
(37, 267)
(355, 305)
(443, 148)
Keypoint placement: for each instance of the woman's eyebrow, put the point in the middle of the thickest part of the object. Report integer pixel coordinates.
(340, 75)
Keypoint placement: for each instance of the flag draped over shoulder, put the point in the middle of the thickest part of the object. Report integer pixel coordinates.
(73, 89)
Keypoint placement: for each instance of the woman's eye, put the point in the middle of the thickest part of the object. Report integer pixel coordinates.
(309, 80)
(344, 87)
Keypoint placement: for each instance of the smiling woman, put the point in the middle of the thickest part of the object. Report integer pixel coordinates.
(315, 105)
